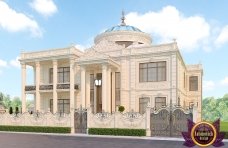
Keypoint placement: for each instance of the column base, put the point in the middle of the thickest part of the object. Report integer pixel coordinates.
(148, 133)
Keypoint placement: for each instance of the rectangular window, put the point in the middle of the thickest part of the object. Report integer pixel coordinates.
(63, 75)
(159, 102)
(117, 88)
(63, 105)
(51, 75)
(152, 72)
(92, 91)
(143, 102)
(193, 83)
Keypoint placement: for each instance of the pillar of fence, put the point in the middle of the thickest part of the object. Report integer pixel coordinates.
(89, 112)
(194, 113)
(72, 120)
(148, 130)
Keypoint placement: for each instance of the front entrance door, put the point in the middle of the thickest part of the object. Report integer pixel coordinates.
(99, 99)
(99, 94)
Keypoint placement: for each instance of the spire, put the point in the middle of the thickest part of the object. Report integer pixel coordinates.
(123, 19)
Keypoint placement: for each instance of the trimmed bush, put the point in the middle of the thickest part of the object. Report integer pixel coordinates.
(16, 110)
(121, 109)
(226, 135)
(38, 129)
(11, 110)
(117, 131)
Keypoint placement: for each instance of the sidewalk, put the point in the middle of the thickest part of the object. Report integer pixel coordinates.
(104, 136)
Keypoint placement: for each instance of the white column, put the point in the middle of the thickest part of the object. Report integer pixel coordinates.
(113, 93)
(72, 94)
(72, 83)
(108, 83)
(55, 94)
(104, 87)
(83, 99)
(87, 89)
(23, 83)
(95, 95)
(37, 86)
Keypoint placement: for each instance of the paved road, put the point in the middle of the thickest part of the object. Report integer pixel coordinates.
(9, 140)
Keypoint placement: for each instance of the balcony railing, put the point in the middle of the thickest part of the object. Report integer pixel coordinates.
(66, 86)
(46, 87)
(49, 87)
(30, 88)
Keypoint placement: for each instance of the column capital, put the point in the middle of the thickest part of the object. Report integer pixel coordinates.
(54, 61)
(82, 68)
(71, 59)
(37, 63)
(23, 65)
(104, 66)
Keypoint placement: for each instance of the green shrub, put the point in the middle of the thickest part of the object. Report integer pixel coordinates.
(38, 129)
(224, 126)
(226, 135)
(117, 131)
(11, 110)
(121, 109)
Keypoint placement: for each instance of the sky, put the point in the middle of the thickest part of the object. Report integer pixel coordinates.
(200, 28)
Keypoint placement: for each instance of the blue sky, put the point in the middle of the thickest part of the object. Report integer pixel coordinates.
(200, 27)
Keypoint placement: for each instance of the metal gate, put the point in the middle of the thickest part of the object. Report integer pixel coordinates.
(80, 120)
(169, 121)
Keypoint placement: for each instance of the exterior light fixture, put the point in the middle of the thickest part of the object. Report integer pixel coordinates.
(97, 82)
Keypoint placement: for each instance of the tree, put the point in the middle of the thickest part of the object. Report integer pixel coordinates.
(6, 101)
(213, 109)
(16, 102)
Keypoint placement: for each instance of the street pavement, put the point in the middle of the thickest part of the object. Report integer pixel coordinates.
(33, 140)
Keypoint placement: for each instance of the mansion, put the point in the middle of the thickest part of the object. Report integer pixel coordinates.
(122, 68)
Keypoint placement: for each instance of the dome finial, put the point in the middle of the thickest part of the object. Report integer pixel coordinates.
(123, 19)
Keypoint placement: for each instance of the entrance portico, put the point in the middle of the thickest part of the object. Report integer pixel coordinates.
(97, 96)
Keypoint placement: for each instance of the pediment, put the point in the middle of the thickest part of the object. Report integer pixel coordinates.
(93, 54)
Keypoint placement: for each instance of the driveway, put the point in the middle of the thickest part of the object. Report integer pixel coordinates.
(22, 140)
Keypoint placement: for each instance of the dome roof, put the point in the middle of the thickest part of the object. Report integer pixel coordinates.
(123, 28)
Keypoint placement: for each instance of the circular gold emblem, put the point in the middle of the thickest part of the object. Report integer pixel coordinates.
(203, 134)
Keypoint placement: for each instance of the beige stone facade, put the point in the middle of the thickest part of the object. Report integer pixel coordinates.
(131, 70)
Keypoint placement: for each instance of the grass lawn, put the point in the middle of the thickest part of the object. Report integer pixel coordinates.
(224, 126)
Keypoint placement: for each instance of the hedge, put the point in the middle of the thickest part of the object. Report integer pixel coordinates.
(117, 131)
(37, 129)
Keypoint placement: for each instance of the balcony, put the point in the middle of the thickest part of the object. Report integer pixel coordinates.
(46, 87)
(30, 88)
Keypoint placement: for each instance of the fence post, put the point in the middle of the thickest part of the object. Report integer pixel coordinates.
(89, 112)
(72, 121)
(148, 130)
(194, 112)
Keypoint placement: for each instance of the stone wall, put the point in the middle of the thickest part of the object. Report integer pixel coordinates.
(131, 120)
(36, 119)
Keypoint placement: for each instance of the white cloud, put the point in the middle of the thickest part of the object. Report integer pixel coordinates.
(15, 62)
(14, 21)
(208, 85)
(225, 81)
(222, 37)
(44, 7)
(3, 63)
(169, 23)
(81, 47)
